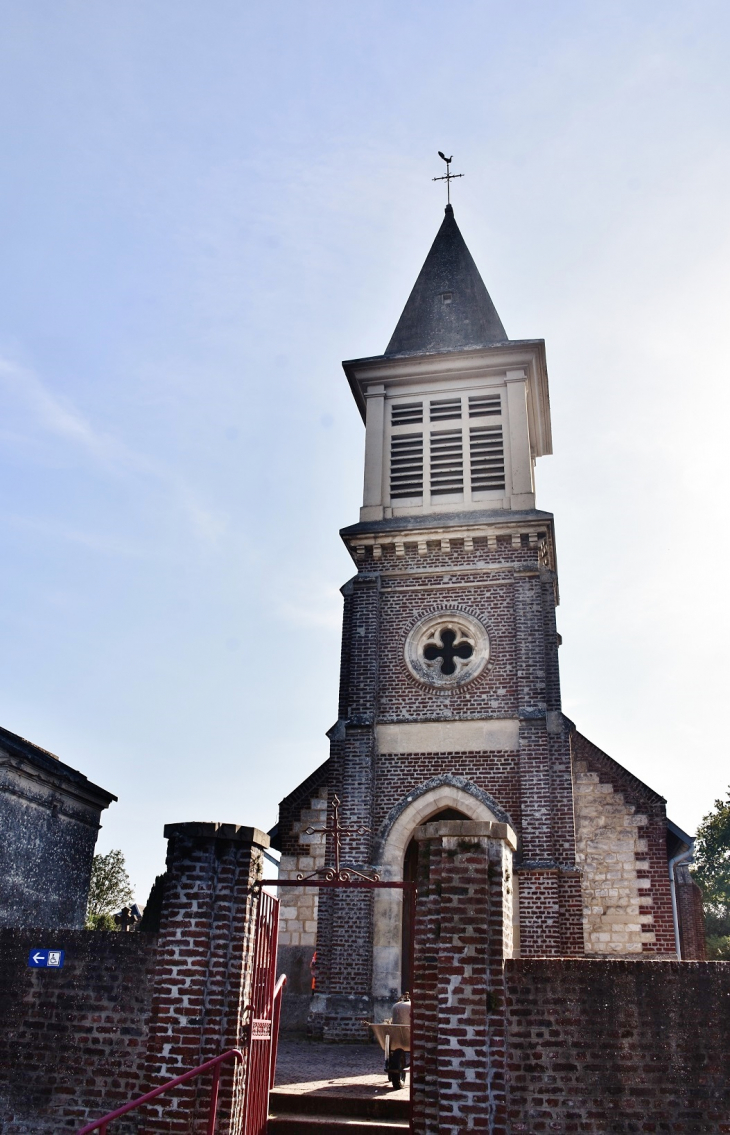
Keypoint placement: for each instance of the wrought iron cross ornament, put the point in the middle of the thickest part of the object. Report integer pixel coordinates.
(448, 652)
(448, 176)
(336, 830)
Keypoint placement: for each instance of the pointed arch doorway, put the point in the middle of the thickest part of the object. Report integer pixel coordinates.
(410, 869)
(447, 797)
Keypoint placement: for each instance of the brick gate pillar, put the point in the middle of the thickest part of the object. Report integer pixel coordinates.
(691, 915)
(463, 934)
(203, 970)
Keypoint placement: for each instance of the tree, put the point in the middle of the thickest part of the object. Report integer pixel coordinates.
(711, 870)
(109, 891)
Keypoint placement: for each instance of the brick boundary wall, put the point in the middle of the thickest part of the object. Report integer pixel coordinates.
(129, 1011)
(517, 1047)
(623, 1047)
(526, 1046)
(73, 1040)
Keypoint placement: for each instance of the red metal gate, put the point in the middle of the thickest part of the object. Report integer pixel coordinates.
(352, 880)
(264, 1017)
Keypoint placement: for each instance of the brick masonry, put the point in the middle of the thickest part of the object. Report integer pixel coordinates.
(607, 894)
(298, 919)
(691, 916)
(203, 971)
(591, 861)
(508, 583)
(525, 1046)
(128, 1012)
(505, 1046)
(618, 1046)
(610, 850)
(464, 927)
(72, 1041)
(299, 910)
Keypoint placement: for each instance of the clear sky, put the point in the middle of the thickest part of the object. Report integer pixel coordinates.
(205, 207)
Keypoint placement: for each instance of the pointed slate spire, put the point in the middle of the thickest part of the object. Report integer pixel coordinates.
(449, 308)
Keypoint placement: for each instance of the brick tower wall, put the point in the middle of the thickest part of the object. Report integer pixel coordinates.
(502, 736)
(506, 580)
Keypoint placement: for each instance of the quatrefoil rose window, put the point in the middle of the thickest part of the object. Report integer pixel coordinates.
(446, 650)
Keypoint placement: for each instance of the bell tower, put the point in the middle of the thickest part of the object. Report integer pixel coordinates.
(449, 687)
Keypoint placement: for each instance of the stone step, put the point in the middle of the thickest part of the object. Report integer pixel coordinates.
(354, 1106)
(334, 1124)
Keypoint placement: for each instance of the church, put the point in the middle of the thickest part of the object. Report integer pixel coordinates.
(449, 699)
(525, 887)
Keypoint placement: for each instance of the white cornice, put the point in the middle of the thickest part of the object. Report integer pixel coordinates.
(479, 362)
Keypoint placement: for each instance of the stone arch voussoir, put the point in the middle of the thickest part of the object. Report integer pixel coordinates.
(445, 791)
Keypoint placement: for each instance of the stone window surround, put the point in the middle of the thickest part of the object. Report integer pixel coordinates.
(467, 628)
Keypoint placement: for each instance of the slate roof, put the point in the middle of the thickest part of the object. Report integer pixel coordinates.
(449, 308)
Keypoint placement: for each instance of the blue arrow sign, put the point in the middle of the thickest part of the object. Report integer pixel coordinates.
(46, 959)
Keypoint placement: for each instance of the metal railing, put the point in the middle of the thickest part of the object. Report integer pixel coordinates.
(234, 1054)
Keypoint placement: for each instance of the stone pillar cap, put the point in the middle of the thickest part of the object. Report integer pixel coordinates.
(235, 832)
(487, 829)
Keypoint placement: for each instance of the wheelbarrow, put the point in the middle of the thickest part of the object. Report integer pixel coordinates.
(395, 1041)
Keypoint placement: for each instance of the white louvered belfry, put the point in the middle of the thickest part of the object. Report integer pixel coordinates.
(406, 466)
(455, 462)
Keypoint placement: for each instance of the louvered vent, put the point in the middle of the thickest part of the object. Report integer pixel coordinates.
(487, 458)
(406, 413)
(484, 405)
(445, 409)
(447, 462)
(406, 466)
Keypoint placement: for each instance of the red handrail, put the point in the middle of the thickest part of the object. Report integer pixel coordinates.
(276, 1014)
(232, 1054)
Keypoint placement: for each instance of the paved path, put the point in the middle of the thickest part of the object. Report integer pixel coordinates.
(309, 1067)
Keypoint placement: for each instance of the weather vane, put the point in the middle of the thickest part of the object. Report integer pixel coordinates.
(448, 176)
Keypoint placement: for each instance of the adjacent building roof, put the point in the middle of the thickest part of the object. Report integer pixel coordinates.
(449, 308)
(45, 766)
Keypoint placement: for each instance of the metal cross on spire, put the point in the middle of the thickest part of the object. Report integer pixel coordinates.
(448, 176)
(335, 829)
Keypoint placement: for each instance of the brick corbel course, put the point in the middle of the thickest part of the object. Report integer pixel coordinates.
(463, 936)
(202, 977)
